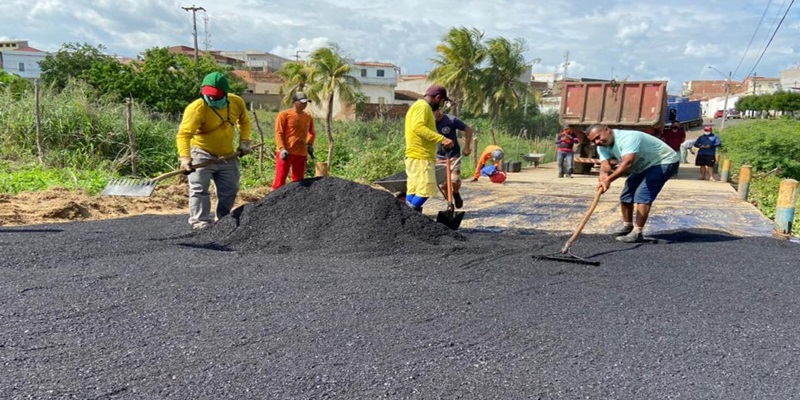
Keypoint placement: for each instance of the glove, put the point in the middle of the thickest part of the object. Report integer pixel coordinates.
(186, 164)
(244, 148)
(311, 151)
(284, 154)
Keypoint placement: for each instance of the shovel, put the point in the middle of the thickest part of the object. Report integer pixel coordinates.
(450, 218)
(144, 187)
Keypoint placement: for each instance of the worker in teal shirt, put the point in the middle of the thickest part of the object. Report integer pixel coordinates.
(648, 161)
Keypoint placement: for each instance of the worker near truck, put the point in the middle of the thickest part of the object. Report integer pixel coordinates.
(449, 125)
(421, 139)
(565, 143)
(707, 153)
(294, 141)
(207, 132)
(649, 162)
(491, 153)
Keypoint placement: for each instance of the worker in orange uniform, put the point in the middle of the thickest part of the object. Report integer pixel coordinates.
(294, 139)
(493, 153)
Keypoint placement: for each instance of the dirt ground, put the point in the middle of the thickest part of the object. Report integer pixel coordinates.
(63, 205)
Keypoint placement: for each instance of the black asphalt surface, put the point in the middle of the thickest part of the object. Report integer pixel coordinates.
(141, 308)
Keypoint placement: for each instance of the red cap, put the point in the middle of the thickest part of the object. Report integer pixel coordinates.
(707, 129)
(212, 92)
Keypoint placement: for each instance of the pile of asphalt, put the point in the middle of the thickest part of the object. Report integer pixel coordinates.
(333, 214)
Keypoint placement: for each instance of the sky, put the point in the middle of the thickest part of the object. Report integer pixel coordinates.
(635, 40)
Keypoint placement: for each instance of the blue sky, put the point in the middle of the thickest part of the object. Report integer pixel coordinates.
(637, 40)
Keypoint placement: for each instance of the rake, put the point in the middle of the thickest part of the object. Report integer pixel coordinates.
(565, 254)
(133, 187)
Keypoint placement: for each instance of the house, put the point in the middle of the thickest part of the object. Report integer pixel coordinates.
(257, 59)
(219, 58)
(263, 88)
(18, 58)
(378, 82)
(790, 79)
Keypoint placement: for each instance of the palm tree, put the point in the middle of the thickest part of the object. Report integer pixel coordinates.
(295, 78)
(458, 67)
(330, 76)
(500, 80)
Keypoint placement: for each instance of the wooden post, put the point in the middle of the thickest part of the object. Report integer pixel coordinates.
(321, 169)
(716, 164)
(784, 208)
(744, 181)
(261, 134)
(38, 106)
(475, 151)
(131, 136)
(725, 175)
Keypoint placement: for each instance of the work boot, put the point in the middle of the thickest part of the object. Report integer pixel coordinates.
(458, 200)
(417, 209)
(624, 230)
(632, 237)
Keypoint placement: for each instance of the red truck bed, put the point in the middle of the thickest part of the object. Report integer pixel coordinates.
(627, 104)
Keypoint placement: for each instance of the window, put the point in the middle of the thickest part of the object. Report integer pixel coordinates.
(363, 73)
(380, 73)
(21, 67)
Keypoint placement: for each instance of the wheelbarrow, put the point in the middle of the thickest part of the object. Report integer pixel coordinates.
(397, 183)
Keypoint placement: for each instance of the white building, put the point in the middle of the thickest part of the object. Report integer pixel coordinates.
(257, 59)
(378, 82)
(18, 58)
(790, 79)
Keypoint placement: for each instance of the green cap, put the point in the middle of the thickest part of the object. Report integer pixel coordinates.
(217, 80)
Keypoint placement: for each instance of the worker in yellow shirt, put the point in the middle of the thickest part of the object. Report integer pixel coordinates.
(207, 132)
(421, 138)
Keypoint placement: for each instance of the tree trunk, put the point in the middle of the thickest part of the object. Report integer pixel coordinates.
(328, 123)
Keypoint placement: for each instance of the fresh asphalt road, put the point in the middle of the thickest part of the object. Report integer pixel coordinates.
(135, 309)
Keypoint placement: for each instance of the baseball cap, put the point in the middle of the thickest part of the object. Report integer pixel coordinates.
(437, 90)
(708, 129)
(301, 97)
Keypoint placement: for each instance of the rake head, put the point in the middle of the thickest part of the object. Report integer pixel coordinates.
(130, 187)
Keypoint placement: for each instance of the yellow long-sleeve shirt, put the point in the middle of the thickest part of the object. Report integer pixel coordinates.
(213, 130)
(420, 132)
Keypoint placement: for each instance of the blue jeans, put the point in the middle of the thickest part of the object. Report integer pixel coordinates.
(643, 187)
(564, 160)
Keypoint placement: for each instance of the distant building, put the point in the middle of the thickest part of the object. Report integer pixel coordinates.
(219, 58)
(263, 88)
(790, 79)
(758, 85)
(18, 58)
(257, 59)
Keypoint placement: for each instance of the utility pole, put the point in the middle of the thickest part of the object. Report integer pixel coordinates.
(297, 54)
(566, 64)
(206, 34)
(194, 11)
(725, 103)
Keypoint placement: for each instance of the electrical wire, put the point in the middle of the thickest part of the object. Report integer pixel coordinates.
(735, 70)
(770, 39)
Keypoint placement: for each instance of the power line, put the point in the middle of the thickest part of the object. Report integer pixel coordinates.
(735, 70)
(771, 37)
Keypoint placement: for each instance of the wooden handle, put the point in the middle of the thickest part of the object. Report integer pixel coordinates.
(585, 219)
(204, 164)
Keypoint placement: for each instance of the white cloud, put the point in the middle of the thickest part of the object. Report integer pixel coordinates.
(605, 38)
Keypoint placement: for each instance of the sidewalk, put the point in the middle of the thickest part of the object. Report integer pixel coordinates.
(537, 199)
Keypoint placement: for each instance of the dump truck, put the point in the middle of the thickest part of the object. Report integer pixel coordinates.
(638, 105)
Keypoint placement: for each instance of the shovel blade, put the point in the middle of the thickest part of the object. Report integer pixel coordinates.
(450, 219)
(129, 187)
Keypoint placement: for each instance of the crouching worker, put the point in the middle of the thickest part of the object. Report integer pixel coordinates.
(493, 153)
(421, 138)
(650, 162)
(206, 133)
